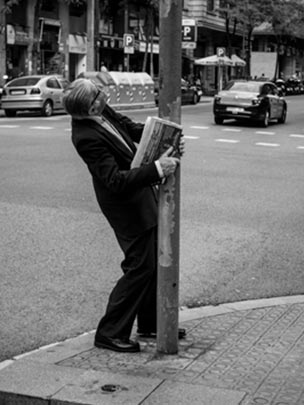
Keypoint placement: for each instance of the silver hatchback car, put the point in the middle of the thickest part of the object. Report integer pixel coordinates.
(42, 93)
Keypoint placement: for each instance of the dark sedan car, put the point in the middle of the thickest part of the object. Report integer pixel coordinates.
(191, 94)
(261, 102)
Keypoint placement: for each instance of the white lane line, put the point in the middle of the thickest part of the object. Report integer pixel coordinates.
(264, 133)
(191, 137)
(231, 129)
(197, 127)
(227, 140)
(9, 126)
(274, 145)
(296, 136)
(68, 130)
(300, 147)
(41, 127)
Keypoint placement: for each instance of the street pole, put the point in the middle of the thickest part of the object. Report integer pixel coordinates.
(91, 36)
(170, 23)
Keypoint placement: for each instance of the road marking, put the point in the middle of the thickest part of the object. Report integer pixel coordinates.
(227, 140)
(197, 127)
(300, 147)
(41, 127)
(191, 137)
(274, 145)
(264, 133)
(9, 126)
(68, 129)
(296, 136)
(231, 129)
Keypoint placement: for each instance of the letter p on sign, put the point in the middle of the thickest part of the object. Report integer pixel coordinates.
(221, 52)
(128, 40)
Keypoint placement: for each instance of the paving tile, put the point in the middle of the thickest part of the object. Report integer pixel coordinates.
(176, 393)
(256, 351)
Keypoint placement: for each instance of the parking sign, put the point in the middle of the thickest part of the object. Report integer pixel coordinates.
(189, 33)
(129, 43)
(221, 52)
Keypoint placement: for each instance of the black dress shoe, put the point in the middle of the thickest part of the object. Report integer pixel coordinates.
(116, 344)
(152, 335)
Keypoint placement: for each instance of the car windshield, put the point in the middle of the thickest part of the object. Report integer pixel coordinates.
(24, 81)
(252, 87)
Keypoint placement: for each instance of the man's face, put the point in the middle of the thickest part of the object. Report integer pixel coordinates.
(99, 100)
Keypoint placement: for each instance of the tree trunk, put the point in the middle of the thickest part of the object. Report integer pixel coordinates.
(248, 53)
(2, 45)
(33, 13)
(63, 46)
(151, 50)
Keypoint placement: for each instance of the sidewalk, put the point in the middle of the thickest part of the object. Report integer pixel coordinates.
(241, 353)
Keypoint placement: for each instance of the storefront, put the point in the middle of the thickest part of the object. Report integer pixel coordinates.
(17, 40)
(50, 58)
(77, 55)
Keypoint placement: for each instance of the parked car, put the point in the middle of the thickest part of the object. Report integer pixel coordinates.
(191, 94)
(42, 93)
(281, 85)
(261, 102)
(293, 86)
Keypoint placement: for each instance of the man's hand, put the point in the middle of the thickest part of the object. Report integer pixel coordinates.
(181, 146)
(168, 163)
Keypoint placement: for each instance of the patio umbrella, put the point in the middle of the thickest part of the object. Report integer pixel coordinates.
(237, 61)
(215, 60)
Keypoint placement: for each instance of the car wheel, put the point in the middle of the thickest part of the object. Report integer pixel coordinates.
(218, 120)
(282, 119)
(265, 121)
(10, 113)
(47, 109)
(195, 98)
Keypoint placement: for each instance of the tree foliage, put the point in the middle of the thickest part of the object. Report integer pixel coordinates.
(285, 17)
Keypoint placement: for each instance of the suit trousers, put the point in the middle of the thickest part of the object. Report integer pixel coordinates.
(135, 292)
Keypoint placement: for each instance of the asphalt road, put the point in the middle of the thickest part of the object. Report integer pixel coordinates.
(241, 222)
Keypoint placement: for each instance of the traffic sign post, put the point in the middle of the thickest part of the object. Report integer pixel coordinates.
(221, 52)
(129, 44)
(189, 34)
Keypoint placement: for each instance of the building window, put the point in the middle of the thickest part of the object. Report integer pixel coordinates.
(51, 6)
(77, 9)
(210, 6)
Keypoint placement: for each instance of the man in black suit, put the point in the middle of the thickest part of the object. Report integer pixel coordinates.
(105, 141)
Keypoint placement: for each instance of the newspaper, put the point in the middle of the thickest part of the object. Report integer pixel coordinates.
(158, 135)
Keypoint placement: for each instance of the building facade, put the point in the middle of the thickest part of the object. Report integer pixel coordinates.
(57, 38)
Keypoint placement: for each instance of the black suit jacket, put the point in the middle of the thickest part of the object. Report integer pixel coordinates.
(125, 195)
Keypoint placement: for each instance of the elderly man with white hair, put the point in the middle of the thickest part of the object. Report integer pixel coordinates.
(105, 140)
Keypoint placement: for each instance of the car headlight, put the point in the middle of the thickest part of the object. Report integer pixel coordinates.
(256, 101)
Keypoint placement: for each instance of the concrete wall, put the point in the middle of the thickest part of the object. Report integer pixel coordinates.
(263, 62)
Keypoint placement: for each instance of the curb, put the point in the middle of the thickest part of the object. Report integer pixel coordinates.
(230, 358)
(185, 314)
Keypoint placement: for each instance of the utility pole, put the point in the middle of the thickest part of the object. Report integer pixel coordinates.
(170, 24)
